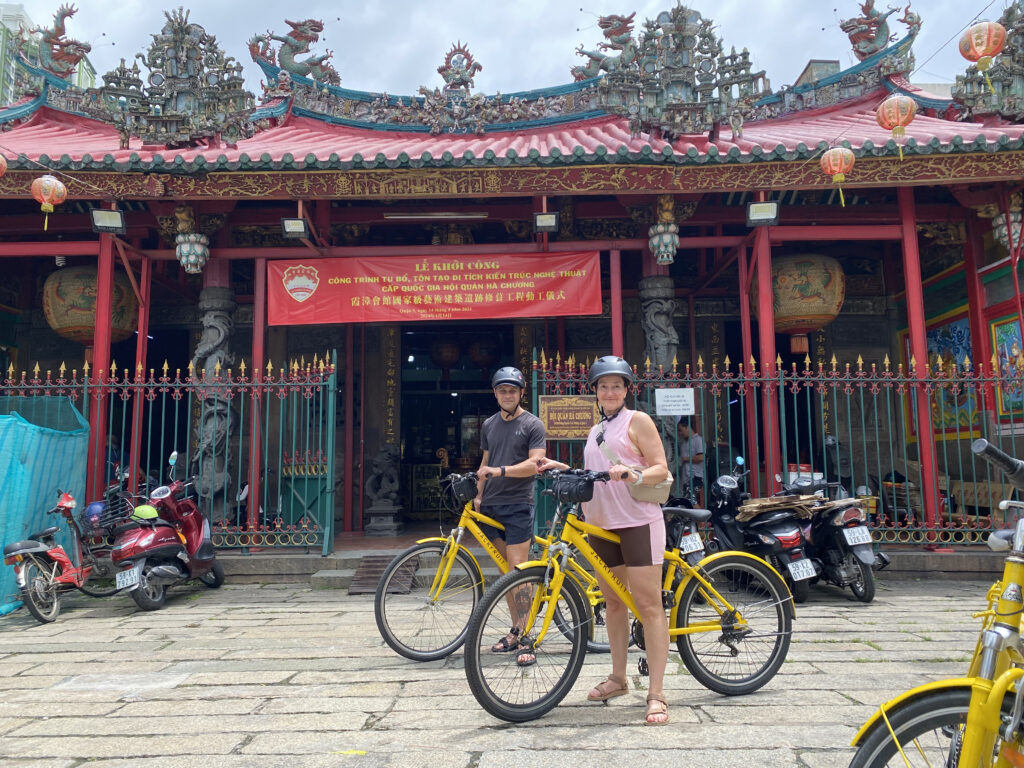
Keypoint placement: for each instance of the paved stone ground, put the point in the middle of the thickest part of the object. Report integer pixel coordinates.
(281, 675)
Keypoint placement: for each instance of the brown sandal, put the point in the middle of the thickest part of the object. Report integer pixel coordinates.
(652, 711)
(609, 688)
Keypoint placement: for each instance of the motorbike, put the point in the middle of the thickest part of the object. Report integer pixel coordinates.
(44, 570)
(838, 540)
(166, 542)
(775, 535)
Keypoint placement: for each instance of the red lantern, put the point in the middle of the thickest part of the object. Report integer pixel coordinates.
(48, 191)
(838, 162)
(895, 114)
(980, 43)
(3, 165)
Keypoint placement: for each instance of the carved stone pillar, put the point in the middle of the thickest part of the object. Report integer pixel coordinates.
(217, 419)
(657, 305)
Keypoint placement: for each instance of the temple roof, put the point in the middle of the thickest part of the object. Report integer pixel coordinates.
(74, 142)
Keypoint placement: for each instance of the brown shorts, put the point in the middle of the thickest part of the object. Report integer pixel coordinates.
(639, 546)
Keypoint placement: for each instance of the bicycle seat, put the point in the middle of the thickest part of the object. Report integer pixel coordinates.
(45, 532)
(695, 515)
(25, 548)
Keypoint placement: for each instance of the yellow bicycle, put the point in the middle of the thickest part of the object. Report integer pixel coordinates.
(972, 721)
(427, 594)
(730, 614)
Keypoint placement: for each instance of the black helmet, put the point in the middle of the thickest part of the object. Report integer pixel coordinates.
(508, 375)
(610, 365)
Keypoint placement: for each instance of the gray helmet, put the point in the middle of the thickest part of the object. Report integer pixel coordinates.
(610, 365)
(508, 375)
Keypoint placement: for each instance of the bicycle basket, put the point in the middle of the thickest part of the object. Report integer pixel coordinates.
(573, 489)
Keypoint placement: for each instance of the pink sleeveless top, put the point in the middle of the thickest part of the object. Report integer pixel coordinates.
(612, 506)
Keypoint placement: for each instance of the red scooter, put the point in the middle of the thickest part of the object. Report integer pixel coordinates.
(167, 542)
(44, 570)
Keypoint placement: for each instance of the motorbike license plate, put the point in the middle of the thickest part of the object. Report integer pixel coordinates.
(857, 535)
(801, 569)
(127, 579)
(691, 543)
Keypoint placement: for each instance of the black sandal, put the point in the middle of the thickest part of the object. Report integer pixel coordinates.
(505, 645)
(526, 657)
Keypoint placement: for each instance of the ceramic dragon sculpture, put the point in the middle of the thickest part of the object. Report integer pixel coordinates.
(618, 30)
(58, 54)
(458, 68)
(293, 44)
(869, 33)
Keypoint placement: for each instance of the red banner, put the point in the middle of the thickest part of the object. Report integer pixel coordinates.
(408, 288)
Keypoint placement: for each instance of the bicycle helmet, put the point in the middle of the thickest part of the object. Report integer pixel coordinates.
(508, 375)
(610, 365)
(144, 512)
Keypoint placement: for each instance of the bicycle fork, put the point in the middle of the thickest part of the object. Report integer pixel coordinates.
(554, 578)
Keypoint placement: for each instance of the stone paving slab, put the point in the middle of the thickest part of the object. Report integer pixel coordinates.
(281, 675)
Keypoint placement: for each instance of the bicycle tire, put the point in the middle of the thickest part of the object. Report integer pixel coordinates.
(41, 594)
(413, 625)
(729, 660)
(928, 727)
(101, 581)
(520, 693)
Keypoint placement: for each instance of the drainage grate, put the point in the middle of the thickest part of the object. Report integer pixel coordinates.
(372, 567)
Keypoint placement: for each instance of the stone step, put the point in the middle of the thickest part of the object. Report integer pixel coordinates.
(339, 578)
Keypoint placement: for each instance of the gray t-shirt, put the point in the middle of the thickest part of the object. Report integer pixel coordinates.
(688, 447)
(508, 443)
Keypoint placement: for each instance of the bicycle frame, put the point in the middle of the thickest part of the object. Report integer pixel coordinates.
(574, 533)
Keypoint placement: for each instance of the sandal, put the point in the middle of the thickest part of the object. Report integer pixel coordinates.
(527, 656)
(609, 688)
(656, 711)
(509, 642)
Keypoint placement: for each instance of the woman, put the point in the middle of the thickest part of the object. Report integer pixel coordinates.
(624, 437)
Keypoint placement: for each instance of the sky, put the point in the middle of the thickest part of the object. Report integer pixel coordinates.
(397, 45)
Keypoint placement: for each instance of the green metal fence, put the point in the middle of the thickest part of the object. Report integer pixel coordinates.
(229, 428)
(854, 424)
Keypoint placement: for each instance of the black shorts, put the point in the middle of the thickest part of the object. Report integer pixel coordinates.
(639, 546)
(517, 519)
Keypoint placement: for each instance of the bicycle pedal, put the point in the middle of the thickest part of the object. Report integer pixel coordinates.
(642, 668)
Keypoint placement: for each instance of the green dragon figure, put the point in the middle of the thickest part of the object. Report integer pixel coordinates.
(57, 54)
(294, 43)
(618, 30)
(869, 33)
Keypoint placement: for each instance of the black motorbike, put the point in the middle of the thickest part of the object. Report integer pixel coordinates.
(775, 535)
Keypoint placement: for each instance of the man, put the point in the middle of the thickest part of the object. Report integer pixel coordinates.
(691, 459)
(513, 442)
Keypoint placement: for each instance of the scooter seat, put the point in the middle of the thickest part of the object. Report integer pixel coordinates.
(695, 515)
(26, 547)
(44, 533)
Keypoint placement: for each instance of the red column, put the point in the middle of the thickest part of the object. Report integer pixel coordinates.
(918, 349)
(141, 346)
(99, 406)
(615, 275)
(766, 338)
(350, 523)
(259, 330)
(751, 449)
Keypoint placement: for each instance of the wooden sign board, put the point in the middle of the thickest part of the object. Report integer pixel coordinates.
(568, 417)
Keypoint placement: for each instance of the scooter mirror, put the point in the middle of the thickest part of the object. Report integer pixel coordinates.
(173, 458)
(739, 461)
(778, 478)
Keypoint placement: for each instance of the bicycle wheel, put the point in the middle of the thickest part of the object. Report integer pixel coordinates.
(101, 582)
(929, 728)
(415, 624)
(504, 688)
(747, 644)
(40, 593)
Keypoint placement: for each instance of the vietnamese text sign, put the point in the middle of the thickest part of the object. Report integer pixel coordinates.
(568, 417)
(406, 288)
(677, 401)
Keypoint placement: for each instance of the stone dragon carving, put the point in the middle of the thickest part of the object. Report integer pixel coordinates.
(869, 33)
(618, 30)
(57, 54)
(293, 44)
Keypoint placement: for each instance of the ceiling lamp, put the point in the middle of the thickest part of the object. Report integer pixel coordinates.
(980, 43)
(48, 191)
(895, 114)
(838, 162)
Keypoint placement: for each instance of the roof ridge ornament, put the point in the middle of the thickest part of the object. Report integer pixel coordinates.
(869, 33)
(57, 54)
(292, 44)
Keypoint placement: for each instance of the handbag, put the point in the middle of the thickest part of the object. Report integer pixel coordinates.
(657, 494)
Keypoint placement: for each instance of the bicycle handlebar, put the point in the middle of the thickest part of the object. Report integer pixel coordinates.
(1011, 467)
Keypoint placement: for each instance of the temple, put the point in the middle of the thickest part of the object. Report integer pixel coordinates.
(306, 292)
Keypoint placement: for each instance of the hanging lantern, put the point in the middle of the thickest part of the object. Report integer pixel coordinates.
(807, 293)
(3, 165)
(980, 43)
(895, 114)
(192, 250)
(69, 305)
(48, 191)
(838, 162)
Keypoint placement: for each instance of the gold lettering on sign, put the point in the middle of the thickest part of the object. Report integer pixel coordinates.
(392, 364)
(568, 417)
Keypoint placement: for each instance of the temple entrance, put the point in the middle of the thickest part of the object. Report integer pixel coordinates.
(446, 395)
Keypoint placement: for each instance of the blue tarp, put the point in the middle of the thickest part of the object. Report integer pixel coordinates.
(44, 444)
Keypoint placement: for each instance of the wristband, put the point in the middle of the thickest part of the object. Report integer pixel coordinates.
(503, 471)
(639, 477)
